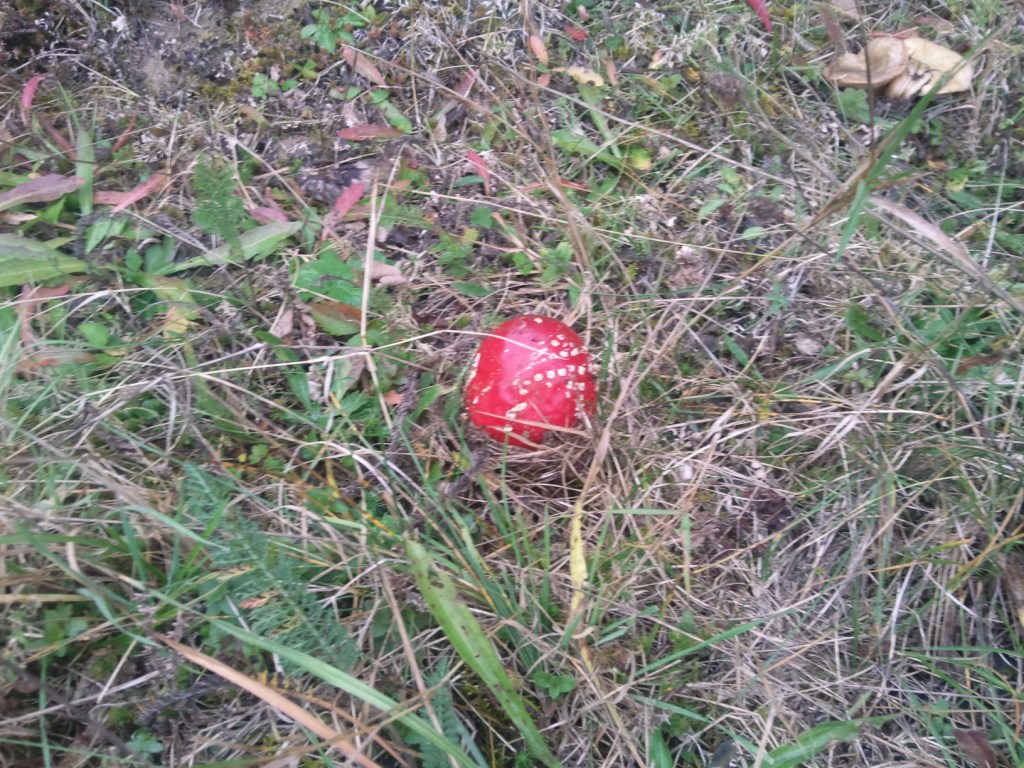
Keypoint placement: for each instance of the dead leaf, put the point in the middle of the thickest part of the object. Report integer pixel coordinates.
(575, 33)
(974, 743)
(31, 297)
(153, 184)
(53, 354)
(583, 75)
(263, 214)
(28, 93)
(339, 309)
(181, 306)
(761, 9)
(45, 189)
(466, 83)
(391, 397)
(979, 361)
(369, 131)
(878, 63)
(349, 196)
(807, 345)
(362, 65)
(538, 49)
(928, 62)
(481, 166)
(610, 71)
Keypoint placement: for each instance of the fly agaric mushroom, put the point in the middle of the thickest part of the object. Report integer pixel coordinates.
(531, 373)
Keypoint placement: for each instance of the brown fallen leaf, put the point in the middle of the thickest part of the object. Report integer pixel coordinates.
(45, 189)
(368, 131)
(974, 743)
(361, 65)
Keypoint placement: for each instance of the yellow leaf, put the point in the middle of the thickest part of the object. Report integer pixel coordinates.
(583, 76)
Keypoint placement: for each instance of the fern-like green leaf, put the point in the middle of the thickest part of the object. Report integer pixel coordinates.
(218, 211)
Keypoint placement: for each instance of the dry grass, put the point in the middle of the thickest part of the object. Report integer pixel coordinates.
(800, 497)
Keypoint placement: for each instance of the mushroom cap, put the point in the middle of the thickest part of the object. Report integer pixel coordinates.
(531, 373)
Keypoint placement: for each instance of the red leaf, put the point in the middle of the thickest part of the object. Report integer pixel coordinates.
(28, 93)
(145, 189)
(762, 10)
(262, 214)
(362, 65)
(575, 33)
(481, 165)
(348, 197)
(52, 186)
(366, 131)
(58, 138)
(124, 135)
(31, 297)
(538, 49)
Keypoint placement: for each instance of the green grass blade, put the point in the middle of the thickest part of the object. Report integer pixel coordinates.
(811, 742)
(475, 649)
(350, 685)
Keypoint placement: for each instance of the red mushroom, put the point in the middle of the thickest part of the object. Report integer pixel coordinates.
(530, 374)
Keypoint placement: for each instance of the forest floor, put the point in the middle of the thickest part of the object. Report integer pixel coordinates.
(247, 253)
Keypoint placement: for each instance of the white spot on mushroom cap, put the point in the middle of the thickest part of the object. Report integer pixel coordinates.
(555, 342)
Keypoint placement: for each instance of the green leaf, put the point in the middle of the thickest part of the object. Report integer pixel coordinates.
(858, 321)
(577, 144)
(481, 217)
(96, 334)
(254, 245)
(23, 260)
(472, 289)
(218, 210)
(853, 103)
(473, 646)
(554, 685)
(395, 118)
